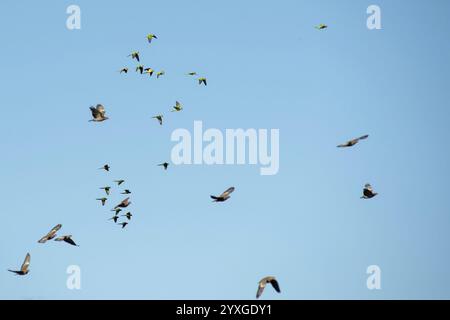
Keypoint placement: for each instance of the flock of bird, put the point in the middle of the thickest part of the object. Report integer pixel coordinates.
(99, 115)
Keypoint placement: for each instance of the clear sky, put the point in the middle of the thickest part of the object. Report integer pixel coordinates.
(267, 67)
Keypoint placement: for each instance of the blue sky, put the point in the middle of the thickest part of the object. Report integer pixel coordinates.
(267, 67)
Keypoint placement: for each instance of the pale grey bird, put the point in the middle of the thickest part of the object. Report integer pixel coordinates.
(98, 113)
(224, 196)
(67, 239)
(351, 143)
(368, 192)
(51, 234)
(263, 283)
(24, 269)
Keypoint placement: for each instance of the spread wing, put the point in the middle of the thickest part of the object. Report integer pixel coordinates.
(227, 192)
(95, 113)
(69, 240)
(363, 137)
(275, 285)
(26, 264)
(261, 287)
(51, 234)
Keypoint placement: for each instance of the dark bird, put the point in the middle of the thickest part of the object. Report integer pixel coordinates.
(368, 192)
(149, 71)
(159, 118)
(115, 218)
(103, 200)
(128, 215)
(126, 191)
(125, 203)
(202, 81)
(117, 211)
(165, 165)
(51, 234)
(135, 55)
(119, 182)
(351, 143)
(263, 283)
(224, 196)
(321, 26)
(98, 113)
(123, 224)
(24, 269)
(177, 107)
(124, 70)
(140, 69)
(150, 37)
(107, 190)
(67, 239)
(106, 167)
(192, 73)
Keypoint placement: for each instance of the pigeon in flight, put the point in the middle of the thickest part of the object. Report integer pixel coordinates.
(224, 196)
(24, 269)
(368, 192)
(125, 203)
(135, 55)
(159, 118)
(103, 200)
(107, 190)
(98, 113)
(263, 283)
(165, 165)
(67, 239)
(51, 234)
(351, 143)
(177, 107)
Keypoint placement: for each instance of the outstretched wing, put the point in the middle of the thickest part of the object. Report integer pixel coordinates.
(227, 192)
(51, 234)
(26, 263)
(275, 285)
(95, 113)
(261, 287)
(363, 137)
(69, 240)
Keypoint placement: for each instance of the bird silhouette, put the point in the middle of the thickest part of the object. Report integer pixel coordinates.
(123, 224)
(202, 81)
(24, 269)
(160, 73)
(128, 215)
(321, 26)
(224, 196)
(115, 218)
(150, 37)
(107, 190)
(124, 70)
(368, 192)
(51, 234)
(192, 73)
(263, 283)
(119, 182)
(135, 55)
(159, 118)
(126, 191)
(103, 200)
(106, 167)
(117, 211)
(140, 69)
(98, 113)
(149, 71)
(125, 203)
(177, 107)
(67, 239)
(165, 165)
(351, 143)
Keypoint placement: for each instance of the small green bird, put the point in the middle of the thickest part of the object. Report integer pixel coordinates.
(103, 200)
(124, 70)
(140, 69)
(321, 26)
(126, 191)
(115, 218)
(119, 182)
(202, 80)
(165, 165)
(135, 55)
(149, 71)
(160, 73)
(117, 211)
(192, 73)
(159, 118)
(107, 190)
(150, 37)
(178, 107)
(106, 167)
(128, 215)
(123, 224)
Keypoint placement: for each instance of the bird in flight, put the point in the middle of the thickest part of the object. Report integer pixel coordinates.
(192, 73)
(159, 118)
(321, 26)
(140, 69)
(149, 71)
(24, 269)
(135, 55)
(224, 196)
(150, 37)
(125, 203)
(119, 182)
(123, 224)
(165, 165)
(124, 70)
(115, 218)
(107, 190)
(98, 113)
(106, 167)
(202, 81)
(263, 283)
(351, 143)
(67, 239)
(177, 107)
(126, 191)
(160, 73)
(51, 234)
(103, 200)
(368, 192)
(128, 215)
(117, 211)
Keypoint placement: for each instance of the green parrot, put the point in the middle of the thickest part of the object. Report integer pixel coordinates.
(160, 73)
(149, 71)
(135, 55)
(202, 80)
(124, 70)
(159, 118)
(150, 37)
(178, 107)
(321, 26)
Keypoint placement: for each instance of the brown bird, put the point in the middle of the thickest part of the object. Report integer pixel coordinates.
(128, 215)
(103, 200)
(123, 224)
(106, 167)
(51, 234)
(98, 113)
(107, 190)
(165, 165)
(368, 192)
(67, 239)
(351, 143)
(24, 269)
(159, 118)
(224, 196)
(115, 218)
(263, 283)
(125, 203)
